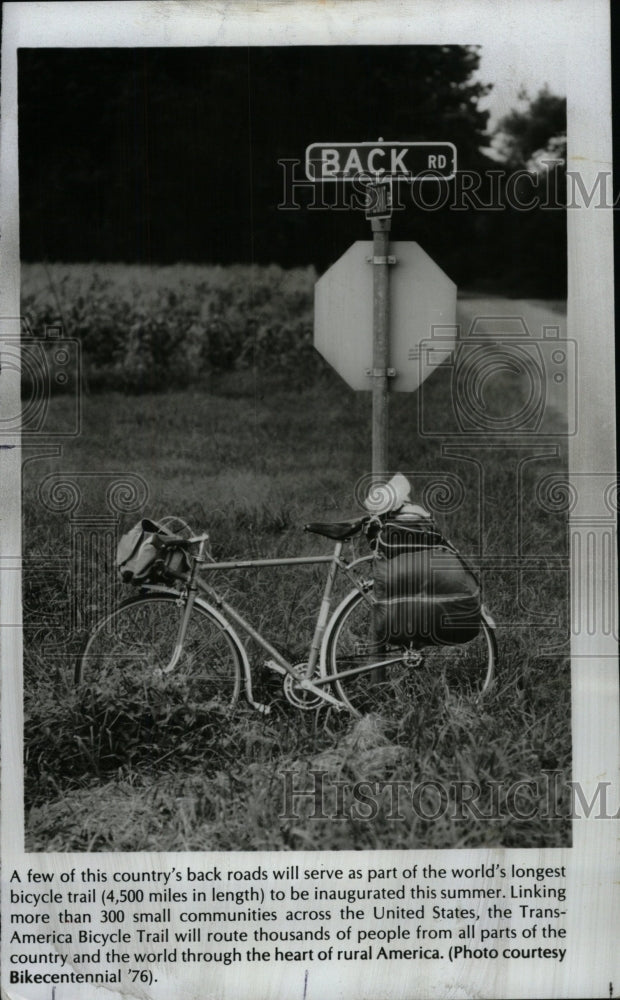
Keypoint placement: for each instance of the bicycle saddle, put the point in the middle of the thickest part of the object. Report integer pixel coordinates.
(340, 531)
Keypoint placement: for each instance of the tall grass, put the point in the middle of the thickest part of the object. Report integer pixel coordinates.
(250, 458)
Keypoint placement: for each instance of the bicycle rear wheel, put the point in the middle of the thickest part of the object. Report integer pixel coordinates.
(403, 675)
(131, 648)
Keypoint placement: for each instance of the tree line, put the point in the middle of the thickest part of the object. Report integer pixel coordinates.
(168, 155)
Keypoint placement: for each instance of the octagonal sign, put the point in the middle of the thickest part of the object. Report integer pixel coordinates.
(422, 315)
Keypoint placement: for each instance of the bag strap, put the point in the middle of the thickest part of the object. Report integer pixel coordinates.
(422, 531)
(438, 540)
(164, 525)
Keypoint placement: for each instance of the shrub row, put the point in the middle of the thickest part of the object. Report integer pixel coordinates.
(147, 328)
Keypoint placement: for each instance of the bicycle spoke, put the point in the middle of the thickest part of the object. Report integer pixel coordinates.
(134, 646)
(375, 676)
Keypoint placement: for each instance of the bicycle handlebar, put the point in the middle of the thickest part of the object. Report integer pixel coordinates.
(175, 540)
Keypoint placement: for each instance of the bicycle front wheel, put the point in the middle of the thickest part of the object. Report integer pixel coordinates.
(132, 647)
(402, 675)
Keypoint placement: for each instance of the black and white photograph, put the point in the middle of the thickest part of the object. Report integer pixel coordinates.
(313, 543)
(174, 252)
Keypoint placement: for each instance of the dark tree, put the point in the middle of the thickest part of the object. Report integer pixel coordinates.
(540, 126)
(533, 141)
(163, 155)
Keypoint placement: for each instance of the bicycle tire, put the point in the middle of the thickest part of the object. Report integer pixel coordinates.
(394, 686)
(130, 648)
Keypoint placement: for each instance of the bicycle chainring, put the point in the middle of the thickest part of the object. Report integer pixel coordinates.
(299, 697)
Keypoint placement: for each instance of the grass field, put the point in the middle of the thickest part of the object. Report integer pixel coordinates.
(243, 454)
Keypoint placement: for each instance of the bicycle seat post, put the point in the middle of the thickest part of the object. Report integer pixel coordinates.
(315, 645)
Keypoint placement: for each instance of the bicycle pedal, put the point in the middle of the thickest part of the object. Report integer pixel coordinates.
(263, 709)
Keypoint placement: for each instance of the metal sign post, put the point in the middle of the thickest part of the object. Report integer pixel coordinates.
(379, 213)
(381, 343)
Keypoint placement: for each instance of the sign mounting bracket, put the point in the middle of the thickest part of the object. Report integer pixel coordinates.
(381, 372)
(389, 259)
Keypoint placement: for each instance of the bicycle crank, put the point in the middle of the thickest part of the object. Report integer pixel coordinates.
(304, 694)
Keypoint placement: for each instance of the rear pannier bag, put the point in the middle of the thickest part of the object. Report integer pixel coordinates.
(403, 533)
(425, 593)
(140, 557)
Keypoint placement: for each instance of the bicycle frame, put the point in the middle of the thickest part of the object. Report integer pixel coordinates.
(223, 610)
(314, 677)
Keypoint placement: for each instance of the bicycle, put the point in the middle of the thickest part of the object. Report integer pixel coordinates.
(180, 626)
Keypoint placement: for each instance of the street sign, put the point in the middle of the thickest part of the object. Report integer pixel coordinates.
(373, 331)
(422, 311)
(348, 161)
(379, 199)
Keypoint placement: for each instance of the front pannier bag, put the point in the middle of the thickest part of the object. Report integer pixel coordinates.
(140, 557)
(426, 594)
